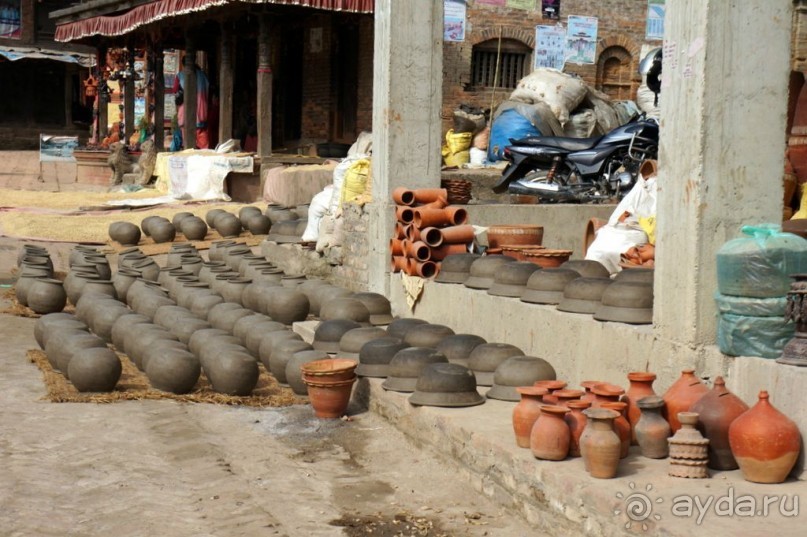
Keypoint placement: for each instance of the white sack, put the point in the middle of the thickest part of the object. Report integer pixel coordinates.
(562, 92)
(317, 209)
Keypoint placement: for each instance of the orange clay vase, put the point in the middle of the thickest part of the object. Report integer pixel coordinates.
(526, 412)
(641, 385)
(681, 396)
(717, 410)
(621, 426)
(599, 443)
(576, 421)
(550, 436)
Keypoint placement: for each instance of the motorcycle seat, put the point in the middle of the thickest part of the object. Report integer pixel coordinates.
(569, 144)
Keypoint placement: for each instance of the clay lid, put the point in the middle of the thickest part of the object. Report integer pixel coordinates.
(587, 268)
(376, 355)
(353, 340)
(643, 275)
(627, 302)
(485, 358)
(406, 365)
(546, 286)
(484, 269)
(329, 333)
(511, 279)
(446, 385)
(399, 327)
(378, 305)
(583, 295)
(458, 347)
(518, 371)
(344, 308)
(427, 335)
(607, 390)
(456, 268)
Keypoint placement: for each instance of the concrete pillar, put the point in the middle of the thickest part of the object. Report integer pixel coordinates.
(103, 96)
(159, 98)
(226, 83)
(264, 88)
(129, 98)
(189, 68)
(723, 123)
(407, 97)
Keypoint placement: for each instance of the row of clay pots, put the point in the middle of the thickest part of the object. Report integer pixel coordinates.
(230, 225)
(36, 287)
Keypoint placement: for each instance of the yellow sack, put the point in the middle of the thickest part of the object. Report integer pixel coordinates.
(648, 225)
(457, 142)
(355, 182)
(456, 160)
(802, 212)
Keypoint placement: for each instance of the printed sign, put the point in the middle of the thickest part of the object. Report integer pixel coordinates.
(581, 39)
(521, 4)
(492, 2)
(656, 9)
(454, 20)
(550, 46)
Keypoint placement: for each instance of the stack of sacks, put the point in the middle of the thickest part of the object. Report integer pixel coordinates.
(428, 230)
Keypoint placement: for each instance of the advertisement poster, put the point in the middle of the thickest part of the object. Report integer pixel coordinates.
(550, 47)
(170, 68)
(521, 4)
(454, 20)
(581, 39)
(550, 9)
(655, 19)
(57, 148)
(10, 19)
(492, 2)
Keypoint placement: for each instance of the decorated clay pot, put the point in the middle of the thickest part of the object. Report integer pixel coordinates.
(765, 442)
(621, 426)
(550, 436)
(330, 399)
(688, 443)
(46, 295)
(526, 412)
(681, 396)
(717, 410)
(599, 444)
(641, 386)
(576, 421)
(95, 370)
(652, 430)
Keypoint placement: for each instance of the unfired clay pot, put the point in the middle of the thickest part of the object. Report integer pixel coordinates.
(95, 370)
(282, 353)
(46, 295)
(294, 374)
(228, 225)
(48, 322)
(233, 373)
(162, 231)
(174, 371)
(194, 228)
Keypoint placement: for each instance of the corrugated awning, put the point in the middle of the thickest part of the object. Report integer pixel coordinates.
(27, 53)
(161, 9)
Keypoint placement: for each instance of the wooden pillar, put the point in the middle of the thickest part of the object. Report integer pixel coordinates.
(264, 89)
(159, 98)
(129, 98)
(226, 69)
(189, 68)
(103, 96)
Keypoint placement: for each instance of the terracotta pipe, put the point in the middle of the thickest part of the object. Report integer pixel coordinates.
(438, 254)
(411, 266)
(396, 247)
(432, 236)
(431, 217)
(439, 203)
(413, 233)
(403, 196)
(457, 215)
(419, 250)
(398, 263)
(429, 195)
(399, 231)
(457, 234)
(404, 214)
(426, 269)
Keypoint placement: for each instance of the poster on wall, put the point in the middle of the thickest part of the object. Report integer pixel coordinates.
(550, 9)
(656, 9)
(57, 148)
(550, 47)
(170, 68)
(521, 4)
(454, 20)
(492, 2)
(581, 39)
(10, 19)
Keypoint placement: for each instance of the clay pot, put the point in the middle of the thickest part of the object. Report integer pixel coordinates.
(46, 296)
(512, 235)
(146, 223)
(233, 373)
(179, 217)
(282, 353)
(247, 213)
(104, 313)
(148, 269)
(23, 285)
(259, 224)
(199, 304)
(234, 288)
(162, 231)
(61, 347)
(681, 396)
(565, 396)
(652, 430)
(294, 373)
(344, 308)
(621, 426)
(98, 287)
(194, 228)
(576, 421)
(174, 370)
(765, 442)
(210, 216)
(95, 370)
(587, 386)
(124, 232)
(458, 348)
(550, 436)
(526, 412)
(122, 280)
(48, 322)
(228, 225)
(606, 393)
(552, 386)
(123, 326)
(716, 411)
(288, 306)
(270, 341)
(688, 443)
(330, 370)
(599, 444)
(204, 338)
(641, 386)
(330, 400)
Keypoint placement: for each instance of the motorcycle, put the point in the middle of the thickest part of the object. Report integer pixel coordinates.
(579, 170)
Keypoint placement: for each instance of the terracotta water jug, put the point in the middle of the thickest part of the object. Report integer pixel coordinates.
(765, 442)
(682, 395)
(717, 410)
(576, 421)
(652, 430)
(641, 385)
(621, 426)
(599, 443)
(526, 412)
(550, 436)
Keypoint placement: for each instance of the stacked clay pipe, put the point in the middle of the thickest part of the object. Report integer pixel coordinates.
(427, 231)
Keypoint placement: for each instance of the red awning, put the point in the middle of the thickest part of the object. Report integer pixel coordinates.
(161, 9)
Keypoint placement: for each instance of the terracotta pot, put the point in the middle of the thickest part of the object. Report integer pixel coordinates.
(439, 203)
(438, 254)
(333, 370)
(429, 195)
(46, 295)
(396, 247)
(765, 442)
(587, 385)
(621, 426)
(404, 215)
(547, 258)
(599, 444)
(330, 400)
(419, 251)
(576, 421)
(526, 412)
(641, 386)
(688, 443)
(652, 430)
(682, 395)
(717, 410)
(403, 196)
(551, 386)
(564, 396)
(550, 436)
(606, 393)
(510, 235)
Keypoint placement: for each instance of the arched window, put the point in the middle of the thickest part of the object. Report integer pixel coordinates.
(513, 63)
(614, 73)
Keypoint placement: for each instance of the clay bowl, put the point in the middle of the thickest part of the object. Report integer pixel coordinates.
(330, 370)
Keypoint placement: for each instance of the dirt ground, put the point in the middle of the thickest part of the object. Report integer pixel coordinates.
(166, 468)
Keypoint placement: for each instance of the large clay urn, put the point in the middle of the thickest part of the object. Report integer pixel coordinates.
(765, 442)
(599, 443)
(550, 436)
(717, 410)
(46, 295)
(682, 395)
(621, 426)
(641, 386)
(576, 421)
(526, 412)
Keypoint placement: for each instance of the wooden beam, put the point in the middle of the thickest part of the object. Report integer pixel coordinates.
(129, 97)
(159, 98)
(189, 68)
(264, 88)
(226, 69)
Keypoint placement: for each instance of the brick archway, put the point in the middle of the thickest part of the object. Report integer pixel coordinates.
(519, 34)
(617, 68)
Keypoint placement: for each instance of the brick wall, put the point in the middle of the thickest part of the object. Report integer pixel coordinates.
(352, 273)
(621, 22)
(317, 81)
(364, 116)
